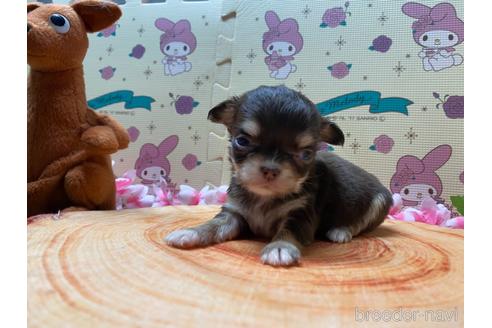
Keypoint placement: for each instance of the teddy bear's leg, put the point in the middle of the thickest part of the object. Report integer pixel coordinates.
(91, 185)
(41, 194)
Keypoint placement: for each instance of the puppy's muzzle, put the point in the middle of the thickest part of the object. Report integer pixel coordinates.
(270, 172)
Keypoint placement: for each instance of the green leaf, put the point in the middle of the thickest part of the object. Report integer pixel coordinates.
(459, 203)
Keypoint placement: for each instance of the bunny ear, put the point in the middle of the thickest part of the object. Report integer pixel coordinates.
(411, 163)
(148, 150)
(441, 11)
(437, 157)
(168, 145)
(415, 10)
(289, 24)
(182, 26)
(163, 24)
(271, 18)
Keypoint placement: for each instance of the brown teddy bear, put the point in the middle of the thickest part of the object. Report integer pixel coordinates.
(68, 144)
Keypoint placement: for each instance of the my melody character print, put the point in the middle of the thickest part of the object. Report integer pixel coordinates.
(416, 179)
(281, 42)
(437, 30)
(152, 165)
(176, 44)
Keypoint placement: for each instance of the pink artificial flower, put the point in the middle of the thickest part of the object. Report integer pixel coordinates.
(187, 195)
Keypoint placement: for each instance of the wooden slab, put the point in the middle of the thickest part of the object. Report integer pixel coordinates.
(112, 269)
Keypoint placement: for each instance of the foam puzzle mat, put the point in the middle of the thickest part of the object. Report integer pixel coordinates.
(389, 73)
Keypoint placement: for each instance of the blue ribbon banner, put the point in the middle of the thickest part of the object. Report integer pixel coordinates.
(118, 96)
(377, 105)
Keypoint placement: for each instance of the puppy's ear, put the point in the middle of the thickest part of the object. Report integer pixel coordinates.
(225, 112)
(331, 133)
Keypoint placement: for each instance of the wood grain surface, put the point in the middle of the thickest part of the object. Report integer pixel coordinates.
(112, 269)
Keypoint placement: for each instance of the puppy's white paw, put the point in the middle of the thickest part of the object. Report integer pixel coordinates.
(185, 238)
(280, 253)
(339, 235)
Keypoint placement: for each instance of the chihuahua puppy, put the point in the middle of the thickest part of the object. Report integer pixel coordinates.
(281, 188)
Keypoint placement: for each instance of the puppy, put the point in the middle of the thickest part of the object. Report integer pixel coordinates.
(281, 188)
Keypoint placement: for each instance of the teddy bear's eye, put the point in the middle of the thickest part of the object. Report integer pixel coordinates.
(60, 23)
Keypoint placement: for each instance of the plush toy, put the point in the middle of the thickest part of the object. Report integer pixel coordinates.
(68, 144)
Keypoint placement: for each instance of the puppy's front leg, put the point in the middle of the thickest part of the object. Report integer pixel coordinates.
(224, 226)
(295, 232)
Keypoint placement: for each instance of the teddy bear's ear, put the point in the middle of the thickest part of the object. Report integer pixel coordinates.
(97, 15)
(32, 5)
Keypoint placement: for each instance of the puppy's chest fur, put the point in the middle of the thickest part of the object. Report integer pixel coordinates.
(265, 216)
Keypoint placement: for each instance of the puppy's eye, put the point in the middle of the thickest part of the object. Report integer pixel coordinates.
(306, 154)
(162, 172)
(60, 23)
(425, 38)
(450, 37)
(168, 47)
(242, 142)
(431, 191)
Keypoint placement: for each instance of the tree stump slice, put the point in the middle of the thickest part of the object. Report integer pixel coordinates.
(112, 269)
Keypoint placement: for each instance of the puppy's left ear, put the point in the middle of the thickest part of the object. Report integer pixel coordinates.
(225, 112)
(331, 133)
(97, 15)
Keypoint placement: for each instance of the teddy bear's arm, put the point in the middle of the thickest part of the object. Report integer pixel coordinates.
(120, 134)
(100, 139)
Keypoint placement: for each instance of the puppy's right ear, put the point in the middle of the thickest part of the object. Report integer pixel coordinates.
(225, 112)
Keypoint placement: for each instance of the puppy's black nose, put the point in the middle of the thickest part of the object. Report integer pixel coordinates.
(270, 173)
(28, 27)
